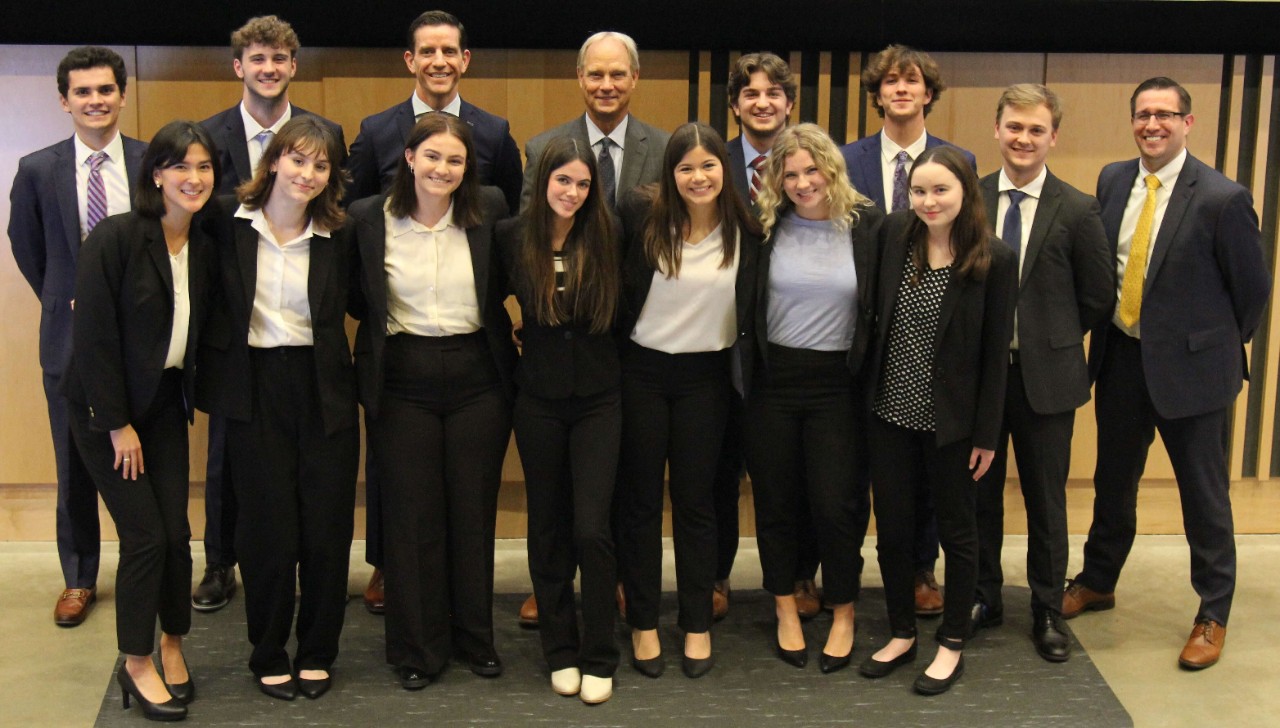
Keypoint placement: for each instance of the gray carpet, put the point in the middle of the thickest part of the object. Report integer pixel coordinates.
(1005, 683)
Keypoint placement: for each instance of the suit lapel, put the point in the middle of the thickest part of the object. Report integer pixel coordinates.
(633, 156)
(246, 241)
(1117, 198)
(64, 180)
(404, 120)
(159, 253)
(738, 159)
(1179, 201)
(478, 239)
(1046, 210)
(890, 280)
(237, 146)
(320, 260)
(991, 199)
(870, 161)
(371, 238)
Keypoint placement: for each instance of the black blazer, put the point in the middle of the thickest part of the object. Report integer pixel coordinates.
(864, 239)
(556, 362)
(637, 277)
(367, 230)
(124, 318)
(971, 348)
(227, 129)
(225, 384)
(1067, 287)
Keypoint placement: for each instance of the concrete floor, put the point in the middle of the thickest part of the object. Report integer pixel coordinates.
(56, 677)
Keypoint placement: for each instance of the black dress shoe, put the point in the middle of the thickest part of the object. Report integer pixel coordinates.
(171, 709)
(926, 685)
(829, 664)
(1051, 637)
(287, 690)
(874, 669)
(215, 589)
(652, 667)
(485, 664)
(695, 668)
(983, 617)
(411, 678)
(314, 688)
(795, 658)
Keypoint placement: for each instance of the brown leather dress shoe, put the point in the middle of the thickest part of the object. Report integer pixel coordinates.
(375, 597)
(529, 613)
(720, 600)
(1204, 647)
(928, 595)
(73, 606)
(808, 603)
(1079, 598)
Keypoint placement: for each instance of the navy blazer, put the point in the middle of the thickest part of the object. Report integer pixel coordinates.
(971, 347)
(124, 319)
(378, 151)
(44, 230)
(1206, 287)
(738, 160)
(225, 384)
(227, 129)
(1066, 288)
(862, 158)
(366, 231)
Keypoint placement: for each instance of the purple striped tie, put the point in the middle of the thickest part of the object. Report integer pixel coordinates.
(97, 191)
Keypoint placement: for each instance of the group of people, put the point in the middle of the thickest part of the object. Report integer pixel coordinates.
(856, 325)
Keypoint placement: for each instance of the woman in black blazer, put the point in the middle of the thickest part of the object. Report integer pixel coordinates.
(688, 282)
(274, 360)
(141, 287)
(562, 259)
(434, 360)
(805, 420)
(937, 376)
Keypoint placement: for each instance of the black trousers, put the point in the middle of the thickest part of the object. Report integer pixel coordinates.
(569, 449)
(295, 490)
(902, 460)
(219, 499)
(1197, 448)
(78, 532)
(439, 439)
(727, 489)
(674, 408)
(804, 449)
(154, 576)
(1042, 443)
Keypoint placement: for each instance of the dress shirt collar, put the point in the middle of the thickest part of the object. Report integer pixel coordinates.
(401, 225)
(1168, 174)
(114, 150)
(749, 152)
(889, 148)
(252, 128)
(420, 107)
(1033, 188)
(618, 136)
(259, 223)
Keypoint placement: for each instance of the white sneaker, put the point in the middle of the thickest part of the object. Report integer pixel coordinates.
(596, 689)
(567, 681)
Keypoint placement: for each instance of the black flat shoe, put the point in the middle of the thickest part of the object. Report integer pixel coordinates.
(171, 709)
(287, 690)
(314, 688)
(828, 664)
(795, 658)
(695, 668)
(411, 678)
(926, 685)
(485, 664)
(875, 669)
(652, 667)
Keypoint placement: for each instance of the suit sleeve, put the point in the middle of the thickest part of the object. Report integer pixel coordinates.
(26, 234)
(96, 340)
(362, 165)
(507, 172)
(997, 330)
(1095, 274)
(1238, 248)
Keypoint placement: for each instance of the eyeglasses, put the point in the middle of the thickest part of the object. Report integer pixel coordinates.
(1163, 117)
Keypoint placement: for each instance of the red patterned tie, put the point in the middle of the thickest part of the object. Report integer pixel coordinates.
(756, 164)
(97, 208)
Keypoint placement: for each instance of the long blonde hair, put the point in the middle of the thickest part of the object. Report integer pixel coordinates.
(841, 196)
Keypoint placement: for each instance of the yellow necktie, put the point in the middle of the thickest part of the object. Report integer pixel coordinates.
(1135, 270)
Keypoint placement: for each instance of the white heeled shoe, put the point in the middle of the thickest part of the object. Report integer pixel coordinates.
(596, 690)
(566, 682)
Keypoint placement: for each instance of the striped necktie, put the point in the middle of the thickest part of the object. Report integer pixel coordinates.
(97, 193)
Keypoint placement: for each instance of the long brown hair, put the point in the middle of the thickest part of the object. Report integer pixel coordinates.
(668, 217)
(309, 135)
(402, 198)
(590, 250)
(969, 238)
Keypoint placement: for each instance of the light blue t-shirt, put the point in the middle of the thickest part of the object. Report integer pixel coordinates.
(813, 286)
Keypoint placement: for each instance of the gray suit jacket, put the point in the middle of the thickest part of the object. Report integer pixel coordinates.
(641, 159)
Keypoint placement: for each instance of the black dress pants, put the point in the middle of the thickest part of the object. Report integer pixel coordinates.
(438, 441)
(154, 576)
(803, 451)
(78, 532)
(569, 449)
(727, 489)
(295, 490)
(901, 461)
(219, 499)
(674, 408)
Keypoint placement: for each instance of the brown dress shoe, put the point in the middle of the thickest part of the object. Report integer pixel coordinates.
(720, 600)
(928, 595)
(808, 603)
(1204, 647)
(529, 613)
(73, 606)
(375, 596)
(1079, 598)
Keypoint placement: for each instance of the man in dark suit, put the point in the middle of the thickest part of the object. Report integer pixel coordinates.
(1067, 287)
(1193, 284)
(903, 84)
(437, 56)
(59, 194)
(264, 55)
(608, 70)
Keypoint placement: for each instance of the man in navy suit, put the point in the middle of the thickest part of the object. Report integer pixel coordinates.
(1067, 287)
(903, 83)
(264, 54)
(59, 194)
(1193, 284)
(437, 56)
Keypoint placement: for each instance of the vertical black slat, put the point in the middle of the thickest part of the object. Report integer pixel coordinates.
(839, 116)
(1224, 110)
(862, 98)
(809, 71)
(1270, 227)
(720, 91)
(694, 61)
(1251, 102)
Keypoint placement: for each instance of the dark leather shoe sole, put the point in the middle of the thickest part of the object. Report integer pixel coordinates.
(926, 685)
(875, 669)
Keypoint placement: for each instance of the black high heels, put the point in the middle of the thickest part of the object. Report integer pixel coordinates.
(287, 690)
(185, 692)
(796, 658)
(171, 709)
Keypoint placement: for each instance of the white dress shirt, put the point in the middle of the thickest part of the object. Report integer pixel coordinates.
(1029, 205)
(252, 129)
(281, 313)
(696, 311)
(115, 179)
(431, 285)
(180, 265)
(420, 107)
(1168, 176)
